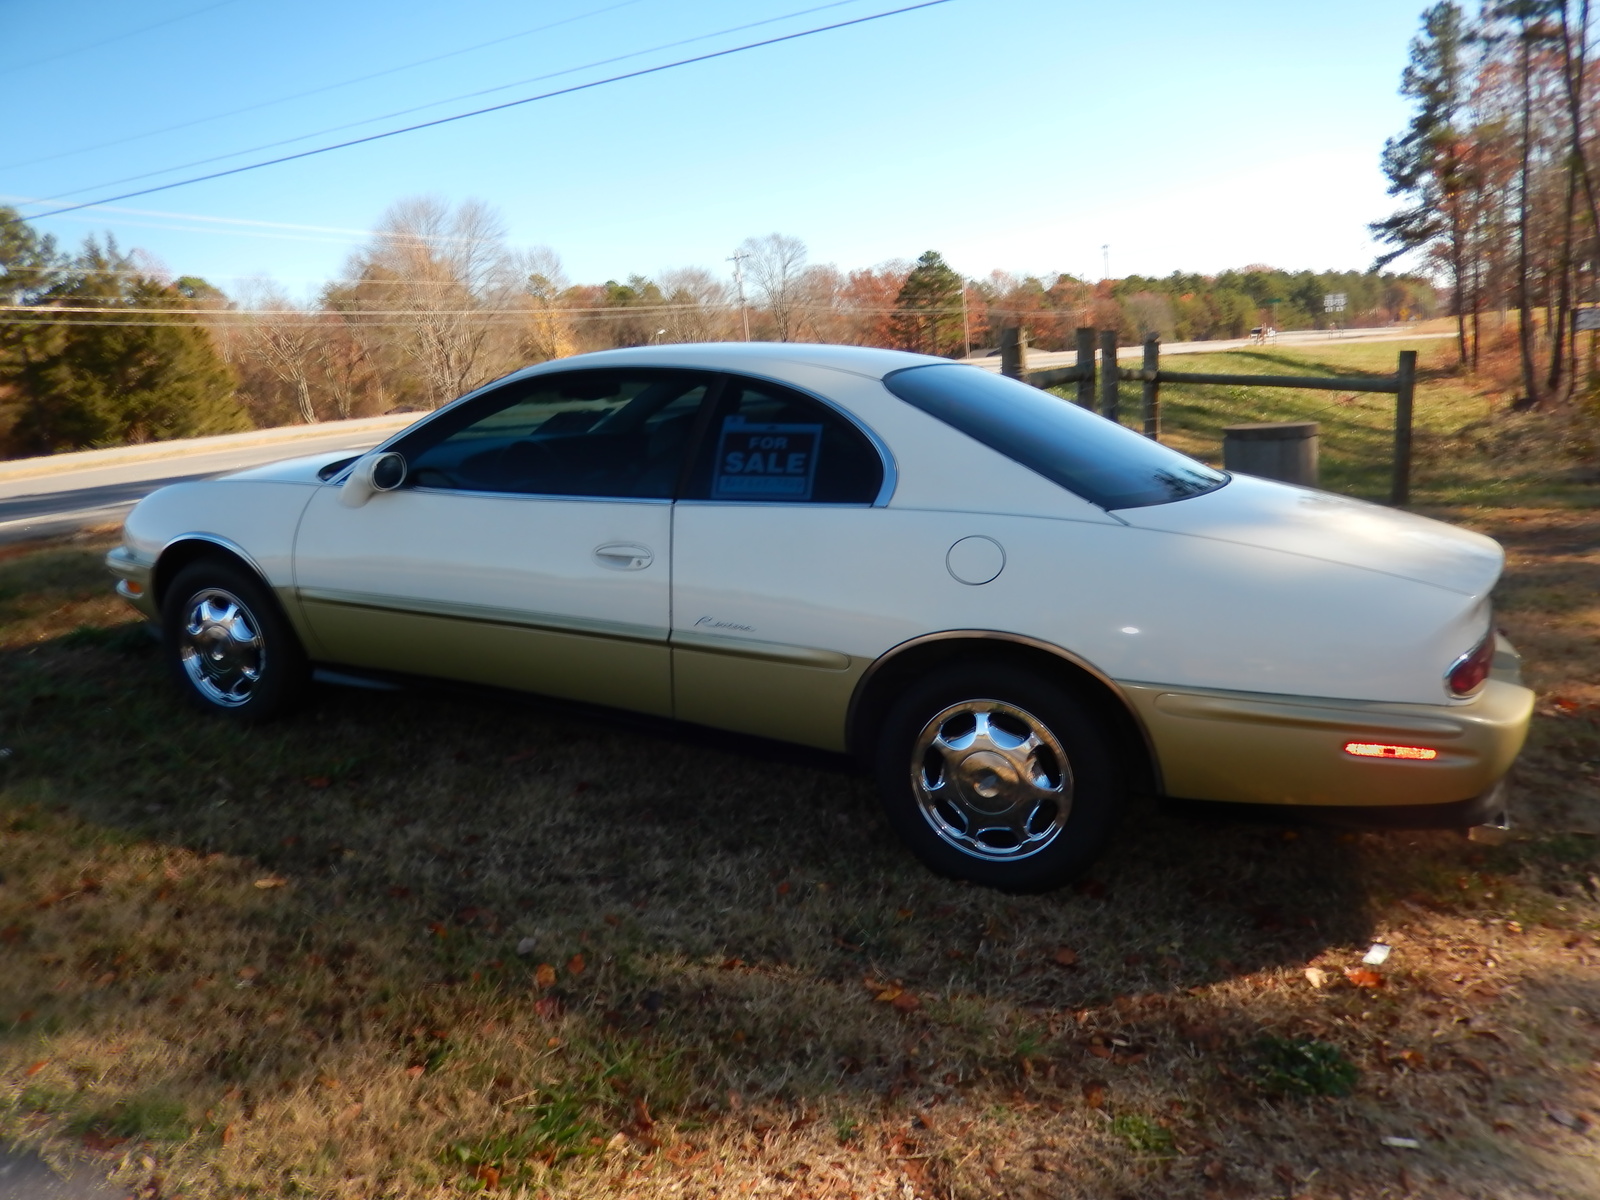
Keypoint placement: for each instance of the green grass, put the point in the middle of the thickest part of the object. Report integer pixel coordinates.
(1303, 1067)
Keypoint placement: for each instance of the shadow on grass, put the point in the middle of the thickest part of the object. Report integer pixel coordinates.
(415, 938)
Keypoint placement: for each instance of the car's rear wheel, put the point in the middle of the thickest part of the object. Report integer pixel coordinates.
(228, 644)
(996, 775)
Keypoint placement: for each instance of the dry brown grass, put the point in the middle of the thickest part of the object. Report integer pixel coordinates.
(285, 961)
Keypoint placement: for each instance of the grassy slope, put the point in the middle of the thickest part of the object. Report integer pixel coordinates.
(1528, 459)
(284, 961)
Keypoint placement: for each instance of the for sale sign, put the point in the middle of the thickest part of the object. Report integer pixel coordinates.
(765, 462)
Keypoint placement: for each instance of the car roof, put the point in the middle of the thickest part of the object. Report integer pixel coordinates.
(868, 361)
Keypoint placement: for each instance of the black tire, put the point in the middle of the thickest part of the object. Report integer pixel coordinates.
(1022, 814)
(228, 645)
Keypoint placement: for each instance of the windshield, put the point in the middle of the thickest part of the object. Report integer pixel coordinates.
(1086, 454)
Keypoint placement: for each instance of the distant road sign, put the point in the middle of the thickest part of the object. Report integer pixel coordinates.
(1586, 319)
(1334, 301)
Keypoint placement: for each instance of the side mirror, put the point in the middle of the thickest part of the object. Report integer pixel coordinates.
(373, 473)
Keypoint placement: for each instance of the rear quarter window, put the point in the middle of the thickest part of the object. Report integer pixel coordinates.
(1088, 455)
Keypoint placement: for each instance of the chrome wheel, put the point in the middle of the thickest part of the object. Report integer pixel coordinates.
(991, 780)
(220, 648)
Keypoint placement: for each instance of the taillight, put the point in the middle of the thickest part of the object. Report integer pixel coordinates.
(1471, 671)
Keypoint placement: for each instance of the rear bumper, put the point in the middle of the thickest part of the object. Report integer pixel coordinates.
(134, 580)
(1246, 748)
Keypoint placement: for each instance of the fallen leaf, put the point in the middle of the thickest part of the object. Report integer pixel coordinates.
(488, 1176)
(544, 975)
(906, 1002)
(1362, 977)
(732, 964)
(641, 1114)
(785, 888)
(1316, 976)
(101, 1143)
(248, 973)
(35, 1068)
(227, 1134)
(575, 965)
(415, 1070)
(318, 781)
(1065, 956)
(1413, 1059)
(271, 881)
(349, 1114)
(1094, 1093)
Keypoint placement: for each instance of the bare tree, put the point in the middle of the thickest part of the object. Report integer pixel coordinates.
(443, 274)
(777, 263)
(699, 303)
(547, 330)
(284, 337)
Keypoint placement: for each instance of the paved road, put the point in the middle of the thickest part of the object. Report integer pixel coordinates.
(37, 504)
(44, 497)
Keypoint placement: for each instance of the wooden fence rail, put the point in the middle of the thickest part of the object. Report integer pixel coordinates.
(1401, 385)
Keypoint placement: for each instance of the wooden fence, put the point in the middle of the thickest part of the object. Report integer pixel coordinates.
(1401, 385)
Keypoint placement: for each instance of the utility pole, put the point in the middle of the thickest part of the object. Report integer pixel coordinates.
(1105, 261)
(737, 259)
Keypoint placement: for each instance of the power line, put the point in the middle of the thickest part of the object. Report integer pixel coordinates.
(416, 108)
(50, 58)
(316, 91)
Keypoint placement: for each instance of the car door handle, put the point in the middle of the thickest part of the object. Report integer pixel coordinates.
(623, 556)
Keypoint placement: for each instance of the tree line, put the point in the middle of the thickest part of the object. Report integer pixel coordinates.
(101, 347)
(1496, 170)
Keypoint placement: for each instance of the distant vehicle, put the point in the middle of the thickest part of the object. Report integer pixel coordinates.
(1015, 612)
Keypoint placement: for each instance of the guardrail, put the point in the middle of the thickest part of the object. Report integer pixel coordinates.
(1402, 385)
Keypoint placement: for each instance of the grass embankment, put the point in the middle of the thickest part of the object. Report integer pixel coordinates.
(1468, 448)
(417, 944)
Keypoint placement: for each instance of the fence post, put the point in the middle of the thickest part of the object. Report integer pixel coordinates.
(1108, 374)
(1013, 353)
(1405, 393)
(1152, 387)
(1086, 368)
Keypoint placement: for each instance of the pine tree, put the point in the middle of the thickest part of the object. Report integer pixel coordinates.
(1426, 163)
(129, 377)
(927, 314)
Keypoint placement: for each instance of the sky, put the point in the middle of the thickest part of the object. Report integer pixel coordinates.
(1019, 135)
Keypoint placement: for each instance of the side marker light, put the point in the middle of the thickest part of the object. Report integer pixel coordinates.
(1380, 750)
(133, 588)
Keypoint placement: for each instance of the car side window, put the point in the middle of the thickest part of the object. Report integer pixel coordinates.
(767, 444)
(621, 434)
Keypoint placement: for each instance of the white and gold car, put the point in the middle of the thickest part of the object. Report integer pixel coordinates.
(1015, 611)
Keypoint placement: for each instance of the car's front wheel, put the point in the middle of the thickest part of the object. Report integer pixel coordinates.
(228, 644)
(996, 775)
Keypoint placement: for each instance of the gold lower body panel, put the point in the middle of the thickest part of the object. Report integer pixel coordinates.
(1262, 749)
(614, 672)
(788, 701)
